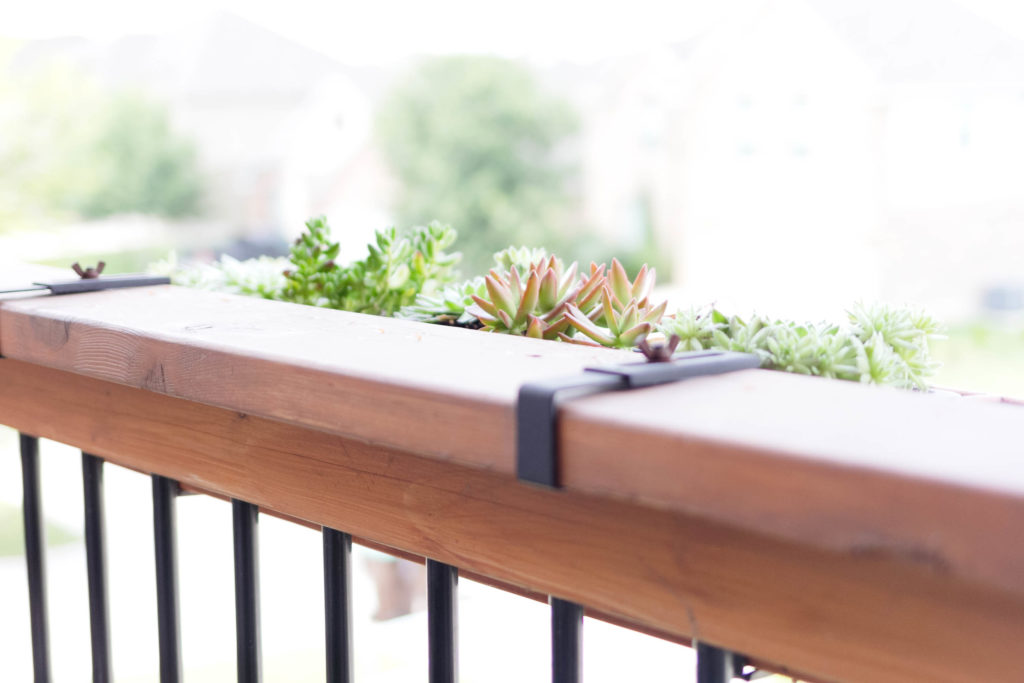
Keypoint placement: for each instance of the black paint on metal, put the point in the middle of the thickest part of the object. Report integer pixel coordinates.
(537, 407)
(442, 621)
(96, 567)
(715, 665)
(566, 641)
(35, 543)
(537, 422)
(247, 598)
(338, 604)
(165, 492)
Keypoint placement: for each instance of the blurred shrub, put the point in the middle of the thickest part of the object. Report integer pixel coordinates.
(476, 142)
(72, 148)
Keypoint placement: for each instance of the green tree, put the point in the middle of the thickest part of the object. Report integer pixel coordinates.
(477, 142)
(138, 163)
(77, 149)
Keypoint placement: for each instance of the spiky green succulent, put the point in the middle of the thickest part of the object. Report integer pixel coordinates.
(881, 344)
(447, 307)
(262, 276)
(519, 258)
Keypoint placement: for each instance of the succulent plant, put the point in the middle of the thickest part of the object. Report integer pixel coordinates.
(532, 293)
(695, 328)
(262, 276)
(520, 258)
(623, 291)
(881, 345)
(624, 315)
(906, 332)
(397, 269)
(314, 277)
(447, 307)
(534, 304)
(623, 329)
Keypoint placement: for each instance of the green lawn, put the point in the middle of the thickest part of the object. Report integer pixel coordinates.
(12, 537)
(982, 356)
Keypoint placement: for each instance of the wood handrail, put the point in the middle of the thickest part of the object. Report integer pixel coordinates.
(805, 522)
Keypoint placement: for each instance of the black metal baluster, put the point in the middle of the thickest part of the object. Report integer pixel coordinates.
(338, 605)
(165, 492)
(442, 621)
(247, 597)
(35, 542)
(714, 665)
(96, 566)
(566, 641)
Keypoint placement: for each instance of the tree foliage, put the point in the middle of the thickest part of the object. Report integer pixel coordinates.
(73, 148)
(476, 142)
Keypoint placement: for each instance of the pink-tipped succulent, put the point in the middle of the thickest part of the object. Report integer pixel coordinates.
(623, 291)
(624, 316)
(534, 305)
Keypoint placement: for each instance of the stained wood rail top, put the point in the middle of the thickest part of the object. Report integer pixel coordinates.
(887, 489)
(838, 464)
(834, 463)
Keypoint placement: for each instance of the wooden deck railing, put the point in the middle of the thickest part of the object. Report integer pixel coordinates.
(826, 529)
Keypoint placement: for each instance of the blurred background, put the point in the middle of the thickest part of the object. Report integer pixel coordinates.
(786, 156)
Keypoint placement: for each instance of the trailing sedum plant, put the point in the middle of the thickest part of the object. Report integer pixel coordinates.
(879, 345)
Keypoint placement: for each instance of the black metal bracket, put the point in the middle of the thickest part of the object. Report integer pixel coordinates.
(105, 282)
(537, 407)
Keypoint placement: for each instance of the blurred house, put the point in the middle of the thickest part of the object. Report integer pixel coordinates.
(283, 131)
(803, 154)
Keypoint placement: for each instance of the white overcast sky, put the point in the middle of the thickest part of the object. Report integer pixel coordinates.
(380, 31)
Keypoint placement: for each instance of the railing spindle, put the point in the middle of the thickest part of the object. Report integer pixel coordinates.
(338, 604)
(247, 599)
(442, 621)
(566, 641)
(165, 492)
(35, 542)
(714, 665)
(96, 566)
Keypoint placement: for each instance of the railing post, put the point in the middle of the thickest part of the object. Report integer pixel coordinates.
(165, 492)
(338, 604)
(35, 543)
(442, 621)
(247, 594)
(566, 641)
(96, 566)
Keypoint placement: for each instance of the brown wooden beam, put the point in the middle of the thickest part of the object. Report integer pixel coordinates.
(830, 615)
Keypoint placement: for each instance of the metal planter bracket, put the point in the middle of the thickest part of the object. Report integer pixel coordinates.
(537, 407)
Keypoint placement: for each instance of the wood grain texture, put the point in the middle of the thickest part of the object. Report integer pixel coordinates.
(442, 391)
(852, 468)
(937, 481)
(831, 615)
